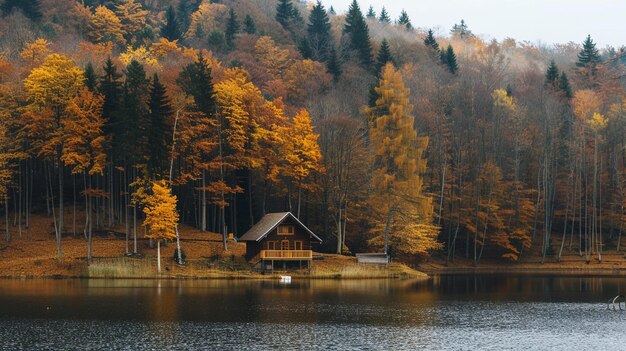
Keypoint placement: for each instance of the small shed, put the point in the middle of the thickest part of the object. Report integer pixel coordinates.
(279, 237)
(372, 258)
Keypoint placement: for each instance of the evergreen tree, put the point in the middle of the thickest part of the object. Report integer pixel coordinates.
(430, 40)
(111, 88)
(331, 11)
(552, 75)
(319, 34)
(564, 86)
(284, 13)
(358, 33)
(91, 79)
(30, 8)
(334, 65)
(195, 80)
(509, 90)
(384, 56)
(450, 60)
(384, 16)
(185, 8)
(136, 119)
(171, 29)
(232, 28)
(305, 49)
(370, 12)
(160, 131)
(372, 97)
(248, 25)
(404, 20)
(589, 55)
(461, 30)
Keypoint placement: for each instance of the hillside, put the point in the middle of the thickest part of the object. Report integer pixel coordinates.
(366, 128)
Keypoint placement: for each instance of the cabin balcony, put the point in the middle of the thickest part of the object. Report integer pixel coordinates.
(286, 255)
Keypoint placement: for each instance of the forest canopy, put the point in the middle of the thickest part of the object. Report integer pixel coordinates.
(376, 133)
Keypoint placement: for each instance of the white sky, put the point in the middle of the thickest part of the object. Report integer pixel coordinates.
(545, 21)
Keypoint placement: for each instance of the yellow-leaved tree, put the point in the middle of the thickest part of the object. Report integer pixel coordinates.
(301, 155)
(402, 214)
(5, 171)
(49, 88)
(84, 146)
(35, 52)
(132, 18)
(161, 216)
(105, 26)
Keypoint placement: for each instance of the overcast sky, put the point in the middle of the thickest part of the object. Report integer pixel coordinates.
(545, 21)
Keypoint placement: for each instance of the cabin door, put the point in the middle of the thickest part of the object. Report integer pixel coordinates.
(284, 245)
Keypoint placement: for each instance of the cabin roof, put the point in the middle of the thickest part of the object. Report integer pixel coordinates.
(268, 223)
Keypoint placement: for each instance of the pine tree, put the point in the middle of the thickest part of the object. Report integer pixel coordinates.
(334, 65)
(248, 25)
(402, 214)
(319, 34)
(450, 60)
(111, 88)
(564, 86)
(284, 13)
(461, 30)
(136, 120)
(195, 80)
(185, 9)
(509, 90)
(430, 40)
(370, 12)
(552, 75)
(160, 131)
(30, 8)
(589, 55)
(384, 16)
(384, 56)
(232, 28)
(331, 11)
(171, 29)
(358, 32)
(305, 49)
(91, 79)
(404, 20)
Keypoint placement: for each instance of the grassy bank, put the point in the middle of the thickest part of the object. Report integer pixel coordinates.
(33, 255)
(329, 267)
(612, 264)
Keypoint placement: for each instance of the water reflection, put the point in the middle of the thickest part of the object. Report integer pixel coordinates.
(466, 311)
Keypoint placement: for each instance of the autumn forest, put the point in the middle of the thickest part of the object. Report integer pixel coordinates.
(378, 134)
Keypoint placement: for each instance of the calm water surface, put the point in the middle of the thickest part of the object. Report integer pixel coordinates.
(444, 313)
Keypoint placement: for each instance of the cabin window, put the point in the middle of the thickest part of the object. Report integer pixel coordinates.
(297, 245)
(271, 245)
(284, 245)
(286, 230)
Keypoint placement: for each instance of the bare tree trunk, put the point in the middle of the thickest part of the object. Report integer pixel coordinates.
(203, 214)
(57, 230)
(158, 256)
(339, 247)
(126, 214)
(6, 219)
(299, 200)
(61, 206)
(74, 205)
(250, 193)
(388, 228)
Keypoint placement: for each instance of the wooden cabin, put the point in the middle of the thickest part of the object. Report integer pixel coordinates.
(279, 237)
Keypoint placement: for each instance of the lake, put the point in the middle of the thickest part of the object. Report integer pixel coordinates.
(463, 312)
